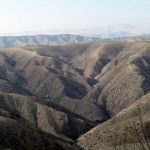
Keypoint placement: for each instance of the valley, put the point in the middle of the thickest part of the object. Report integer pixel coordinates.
(74, 96)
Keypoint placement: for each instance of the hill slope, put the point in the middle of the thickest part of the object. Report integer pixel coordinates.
(27, 110)
(127, 123)
(50, 79)
(122, 80)
(26, 124)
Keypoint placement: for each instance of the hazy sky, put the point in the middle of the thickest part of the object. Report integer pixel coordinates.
(24, 16)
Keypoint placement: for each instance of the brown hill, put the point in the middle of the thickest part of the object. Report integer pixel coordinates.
(123, 80)
(97, 56)
(26, 124)
(50, 79)
(127, 129)
(25, 109)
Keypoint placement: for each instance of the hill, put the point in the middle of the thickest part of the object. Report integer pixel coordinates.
(26, 124)
(122, 79)
(129, 128)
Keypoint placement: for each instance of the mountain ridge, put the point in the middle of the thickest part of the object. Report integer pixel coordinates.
(9, 41)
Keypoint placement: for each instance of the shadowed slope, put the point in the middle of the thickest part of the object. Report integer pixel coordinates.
(25, 109)
(17, 136)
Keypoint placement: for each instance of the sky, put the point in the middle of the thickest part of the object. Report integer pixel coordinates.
(37, 16)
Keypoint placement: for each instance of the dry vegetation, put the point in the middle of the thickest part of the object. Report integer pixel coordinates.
(72, 88)
(128, 130)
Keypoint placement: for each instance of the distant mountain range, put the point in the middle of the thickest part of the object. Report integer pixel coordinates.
(112, 31)
(57, 37)
(8, 41)
(62, 39)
